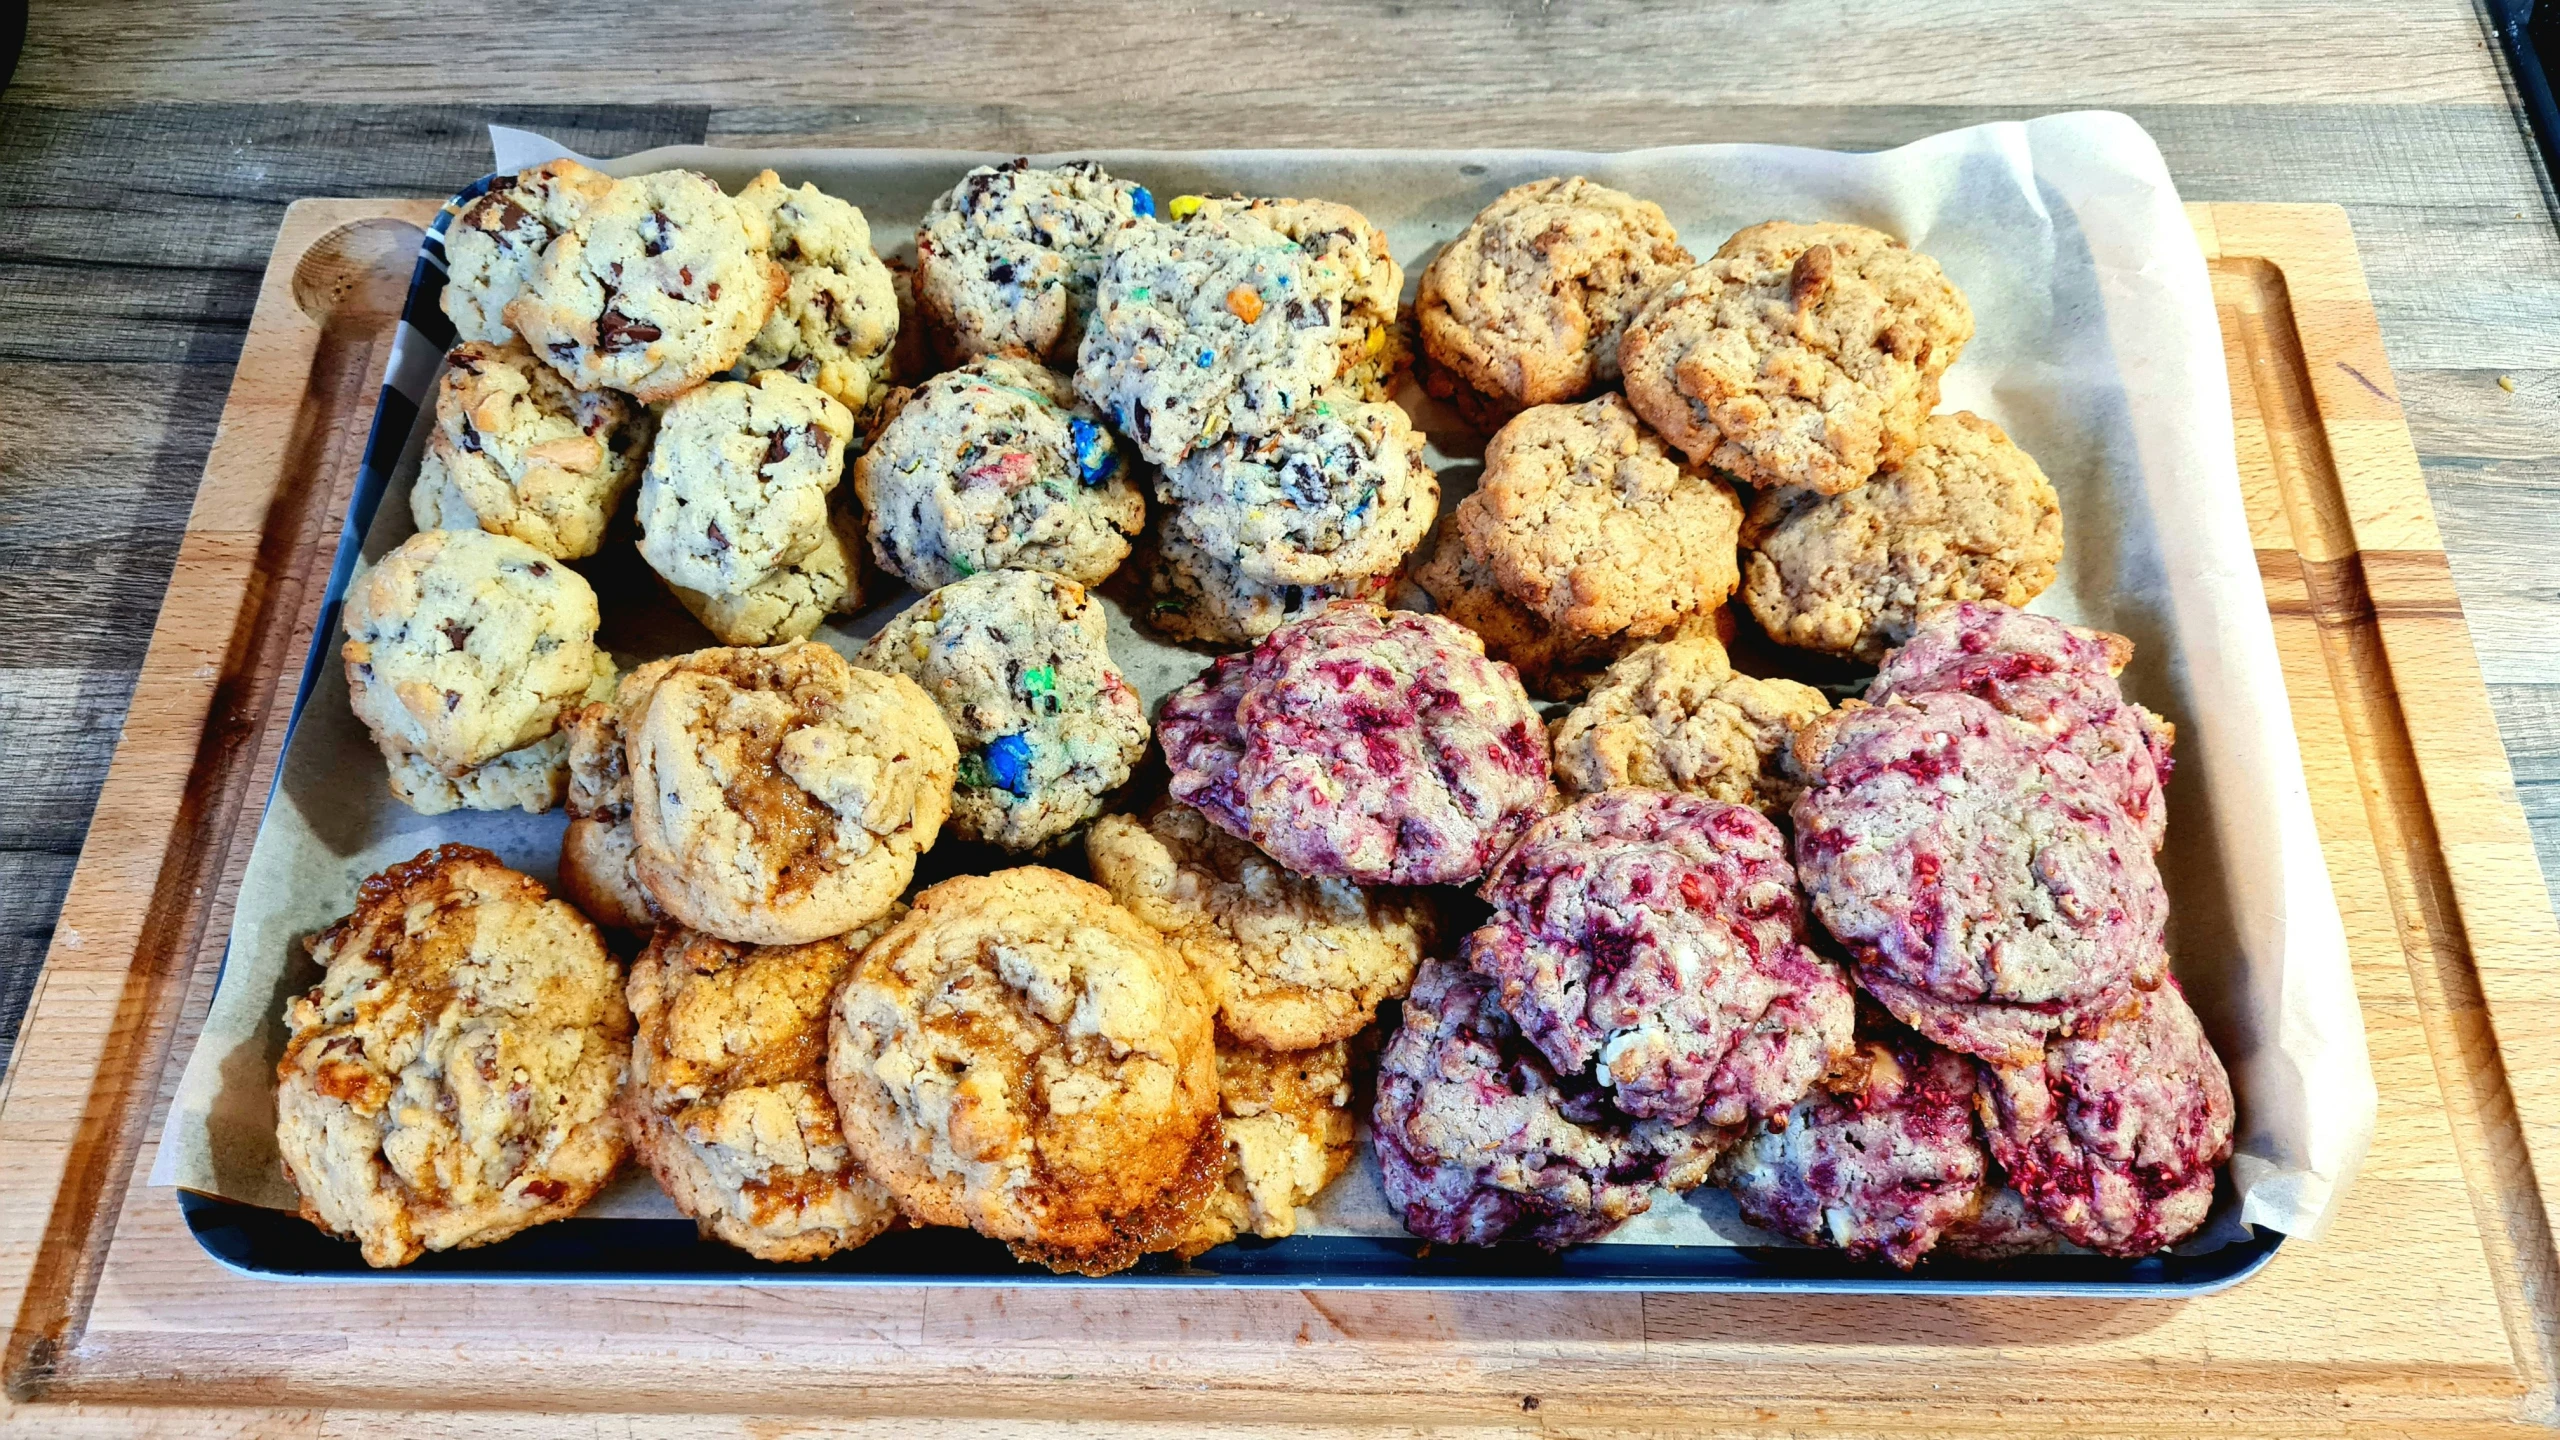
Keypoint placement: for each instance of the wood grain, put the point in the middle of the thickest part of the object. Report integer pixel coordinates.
(2429, 1309)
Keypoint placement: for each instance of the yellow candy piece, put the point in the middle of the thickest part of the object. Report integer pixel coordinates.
(1182, 207)
(1377, 338)
(921, 647)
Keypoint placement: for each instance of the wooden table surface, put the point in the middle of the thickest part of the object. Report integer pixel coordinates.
(147, 154)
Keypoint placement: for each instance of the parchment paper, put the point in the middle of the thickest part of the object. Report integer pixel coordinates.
(2096, 347)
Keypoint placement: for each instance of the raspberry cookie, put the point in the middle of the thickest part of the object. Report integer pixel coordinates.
(2114, 1140)
(1529, 303)
(661, 284)
(1234, 318)
(1289, 1133)
(1378, 746)
(780, 796)
(1965, 516)
(1194, 595)
(1992, 893)
(1675, 716)
(1006, 261)
(491, 247)
(2059, 678)
(995, 466)
(1586, 519)
(1290, 961)
(1336, 495)
(1881, 1161)
(463, 648)
(727, 1097)
(836, 321)
(1479, 1142)
(1023, 1056)
(1801, 355)
(1657, 941)
(516, 452)
(1018, 662)
(450, 1080)
(737, 485)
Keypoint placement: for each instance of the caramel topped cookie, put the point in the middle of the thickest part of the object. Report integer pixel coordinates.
(661, 284)
(1801, 355)
(1006, 260)
(1023, 1056)
(1290, 960)
(1675, 716)
(1529, 302)
(450, 1080)
(517, 452)
(1965, 516)
(836, 321)
(490, 248)
(727, 1097)
(781, 795)
(1289, 1132)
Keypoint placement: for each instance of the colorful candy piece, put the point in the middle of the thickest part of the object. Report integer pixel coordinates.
(1182, 207)
(1142, 202)
(1096, 458)
(1009, 762)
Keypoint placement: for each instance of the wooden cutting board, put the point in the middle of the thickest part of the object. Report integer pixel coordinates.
(2433, 1306)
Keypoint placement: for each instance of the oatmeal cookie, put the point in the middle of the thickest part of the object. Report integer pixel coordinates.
(1991, 892)
(1047, 727)
(450, 1080)
(836, 322)
(490, 248)
(737, 485)
(1528, 303)
(1800, 356)
(779, 796)
(1193, 595)
(1675, 716)
(516, 452)
(1479, 1142)
(727, 1096)
(1881, 1160)
(2058, 678)
(997, 466)
(1006, 261)
(1289, 1133)
(1657, 942)
(1336, 495)
(1585, 518)
(462, 649)
(1291, 961)
(661, 284)
(1023, 1056)
(1234, 318)
(1378, 746)
(1965, 516)
(2114, 1140)
(1553, 666)
(597, 850)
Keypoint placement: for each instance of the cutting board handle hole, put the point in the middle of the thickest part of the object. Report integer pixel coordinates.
(359, 271)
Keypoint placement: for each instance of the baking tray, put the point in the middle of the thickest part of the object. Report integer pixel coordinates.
(257, 1241)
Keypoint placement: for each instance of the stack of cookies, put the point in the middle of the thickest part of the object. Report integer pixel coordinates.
(1892, 971)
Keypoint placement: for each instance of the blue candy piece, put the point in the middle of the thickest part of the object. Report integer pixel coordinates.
(1009, 763)
(1095, 457)
(1142, 202)
(1206, 359)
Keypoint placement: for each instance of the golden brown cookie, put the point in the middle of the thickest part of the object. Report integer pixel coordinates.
(1527, 305)
(779, 796)
(727, 1097)
(1290, 1132)
(1801, 355)
(450, 1080)
(1291, 961)
(1965, 516)
(1675, 716)
(1023, 1056)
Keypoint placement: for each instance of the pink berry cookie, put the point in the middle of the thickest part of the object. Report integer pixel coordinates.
(2059, 678)
(1479, 1142)
(2114, 1140)
(1660, 938)
(1992, 893)
(1881, 1161)
(1380, 746)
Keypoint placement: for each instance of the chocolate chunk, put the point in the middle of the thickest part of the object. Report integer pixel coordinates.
(616, 331)
(458, 633)
(470, 437)
(719, 541)
(657, 233)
